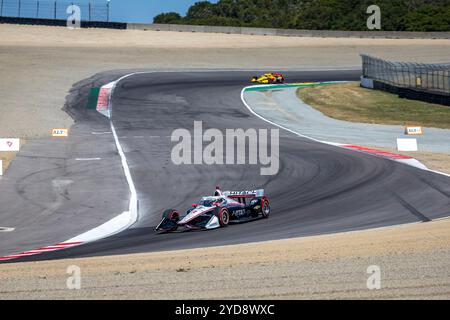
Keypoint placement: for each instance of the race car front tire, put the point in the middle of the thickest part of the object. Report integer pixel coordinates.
(224, 217)
(171, 214)
(169, 221)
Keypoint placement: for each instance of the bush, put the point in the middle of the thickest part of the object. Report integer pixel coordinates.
(397, 15)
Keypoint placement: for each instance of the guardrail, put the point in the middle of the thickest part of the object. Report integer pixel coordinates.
(62, 23)
(291, 32)
(418, 81)
(54, 13)
(53, 9)
(420, 76)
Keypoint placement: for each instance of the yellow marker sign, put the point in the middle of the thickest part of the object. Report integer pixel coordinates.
(60, 133)
(414, 131)
(418, 81)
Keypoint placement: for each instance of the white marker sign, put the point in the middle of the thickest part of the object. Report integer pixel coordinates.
(413, 131)
(407, 144)
(60, 133)
(1, 167)
(7, 145)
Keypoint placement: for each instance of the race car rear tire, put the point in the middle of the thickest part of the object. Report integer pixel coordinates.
(224, 217)
(265, 209)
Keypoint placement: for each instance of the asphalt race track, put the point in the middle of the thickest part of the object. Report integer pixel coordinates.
(319, 188)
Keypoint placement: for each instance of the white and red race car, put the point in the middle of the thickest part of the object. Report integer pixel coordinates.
(217, 211)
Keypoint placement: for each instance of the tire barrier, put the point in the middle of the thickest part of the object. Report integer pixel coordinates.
(412, 94)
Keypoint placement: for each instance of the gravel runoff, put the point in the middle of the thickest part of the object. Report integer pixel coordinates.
(414, 263)
(284, 107)
(47, 63)
(39, 64)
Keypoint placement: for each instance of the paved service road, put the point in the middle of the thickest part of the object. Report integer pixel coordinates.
(319, 188)
(285, 108)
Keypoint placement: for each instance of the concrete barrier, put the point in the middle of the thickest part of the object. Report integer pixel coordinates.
(367, 83)
(291, 32)
(62, 23)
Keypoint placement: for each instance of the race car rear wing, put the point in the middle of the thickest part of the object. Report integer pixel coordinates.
(244, 194)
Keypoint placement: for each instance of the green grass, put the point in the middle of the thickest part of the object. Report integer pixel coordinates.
(350, 102)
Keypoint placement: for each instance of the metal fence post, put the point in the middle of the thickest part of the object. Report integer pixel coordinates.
(54, 15)
(1, 10)
(107, 13)
(20, 5)
(37, 9)
(426, 77)
(90, 10)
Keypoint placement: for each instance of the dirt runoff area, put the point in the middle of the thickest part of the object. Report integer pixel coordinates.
(432, 160)
(39, 64)
(412, 262)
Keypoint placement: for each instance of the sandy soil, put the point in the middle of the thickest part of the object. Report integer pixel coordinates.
(433, 160)
(39, 64)
(344, 108)
(7, 157)
(55, 37)
(414, 261)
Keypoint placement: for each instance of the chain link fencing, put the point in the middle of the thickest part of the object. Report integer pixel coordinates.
(425, 77)
(53, 9)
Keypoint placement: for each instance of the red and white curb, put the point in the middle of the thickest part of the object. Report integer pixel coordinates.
(376, 152)
(55, 247)
(104, 99)
(387, 155)
(383, 154)
(118, 223)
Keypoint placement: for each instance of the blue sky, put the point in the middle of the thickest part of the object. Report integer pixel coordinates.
(145, 10)
(120, 10)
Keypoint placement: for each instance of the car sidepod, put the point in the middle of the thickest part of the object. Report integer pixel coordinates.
(201, 218)
(259, 205)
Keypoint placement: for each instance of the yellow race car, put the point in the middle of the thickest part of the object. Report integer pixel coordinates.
(269, 78)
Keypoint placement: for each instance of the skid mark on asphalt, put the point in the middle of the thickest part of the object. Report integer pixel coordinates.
(410, 208)
(435, 187)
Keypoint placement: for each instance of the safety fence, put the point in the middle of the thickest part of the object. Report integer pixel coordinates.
(54, 9)
(422, 77)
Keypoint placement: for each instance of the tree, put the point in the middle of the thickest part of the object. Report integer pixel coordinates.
(397, 15)
(168, 18)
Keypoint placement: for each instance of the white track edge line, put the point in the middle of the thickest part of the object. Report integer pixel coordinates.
(133, 206)
(115, 225)
(313, 139)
